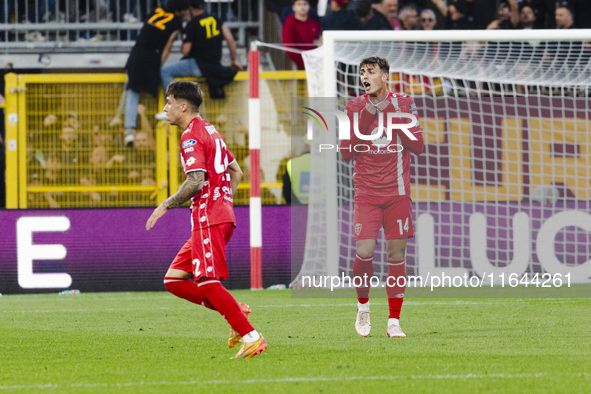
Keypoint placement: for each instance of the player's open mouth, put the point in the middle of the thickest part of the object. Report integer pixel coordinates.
(366, 85)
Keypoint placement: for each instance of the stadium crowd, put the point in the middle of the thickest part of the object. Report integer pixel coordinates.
(302, 25)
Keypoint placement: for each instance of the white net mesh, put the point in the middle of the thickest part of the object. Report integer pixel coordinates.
(504, 183)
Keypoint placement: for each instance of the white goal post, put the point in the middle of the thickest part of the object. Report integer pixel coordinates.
(504, 184)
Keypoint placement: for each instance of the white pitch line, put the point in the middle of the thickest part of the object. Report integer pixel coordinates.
(280, 380)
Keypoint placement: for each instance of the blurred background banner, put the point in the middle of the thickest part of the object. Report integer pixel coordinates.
(110, 250)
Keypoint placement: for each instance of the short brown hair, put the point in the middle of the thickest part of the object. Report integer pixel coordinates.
(376, 61)
(186, 90)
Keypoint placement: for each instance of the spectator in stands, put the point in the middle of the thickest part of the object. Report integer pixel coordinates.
(527, 17)
(408, 17)
(50, 175)
(508, 16)
(150, 51)
(393, 14)
(101, 137)
(70, 154)
(103, 170)
(382, 15)
(568, 56)
(296, 179)
(202, 50)
(340, 17)
(300, 32)
(457, 15)
(564, 16)
(288, 10)
(544, 12)
(364, 11)
(428, 19)
(143, 155)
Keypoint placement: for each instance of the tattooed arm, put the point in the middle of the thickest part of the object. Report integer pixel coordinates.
(188, 189)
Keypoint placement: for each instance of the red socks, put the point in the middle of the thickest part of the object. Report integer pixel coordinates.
(394, 288)
(363, 266)
(188, 290)
(226, 305)
(211, 294)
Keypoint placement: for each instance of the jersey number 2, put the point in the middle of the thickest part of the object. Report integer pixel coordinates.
(160, 19)
(221, 157)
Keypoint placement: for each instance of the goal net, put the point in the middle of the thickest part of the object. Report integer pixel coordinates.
(504, 183)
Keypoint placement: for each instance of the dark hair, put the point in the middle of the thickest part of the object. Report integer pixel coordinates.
(188, 91)
(177, 5)
(376, 61)
(526, 5)
(363, 9)
(197, 4)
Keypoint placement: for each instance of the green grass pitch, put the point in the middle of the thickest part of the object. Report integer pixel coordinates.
(157, 343)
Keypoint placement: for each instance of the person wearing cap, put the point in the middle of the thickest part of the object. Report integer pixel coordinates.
(340, 18)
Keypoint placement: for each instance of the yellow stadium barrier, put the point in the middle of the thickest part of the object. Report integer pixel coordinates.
(64, 152)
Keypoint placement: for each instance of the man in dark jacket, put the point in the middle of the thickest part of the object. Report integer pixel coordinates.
(202, 50)
(149, 53)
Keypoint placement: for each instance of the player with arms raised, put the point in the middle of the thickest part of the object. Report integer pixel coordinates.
(382, 187)
(212, 178)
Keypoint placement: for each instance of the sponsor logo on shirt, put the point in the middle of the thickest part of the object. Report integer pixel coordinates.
(210, 129)
(191, 161)
(189, 143)
(189, 150)
(216, 193)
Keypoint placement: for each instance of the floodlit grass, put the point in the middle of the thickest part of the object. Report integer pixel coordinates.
(155, 342)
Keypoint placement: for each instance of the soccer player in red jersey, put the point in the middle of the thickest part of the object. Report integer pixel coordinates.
(382, 186)
(212, 177)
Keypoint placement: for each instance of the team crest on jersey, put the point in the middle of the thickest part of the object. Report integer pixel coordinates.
(357, 228)
(189, 143)
(189, 149)
(382, 141)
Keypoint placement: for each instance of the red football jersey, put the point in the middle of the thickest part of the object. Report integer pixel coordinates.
(381, 170)
(203, 149)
